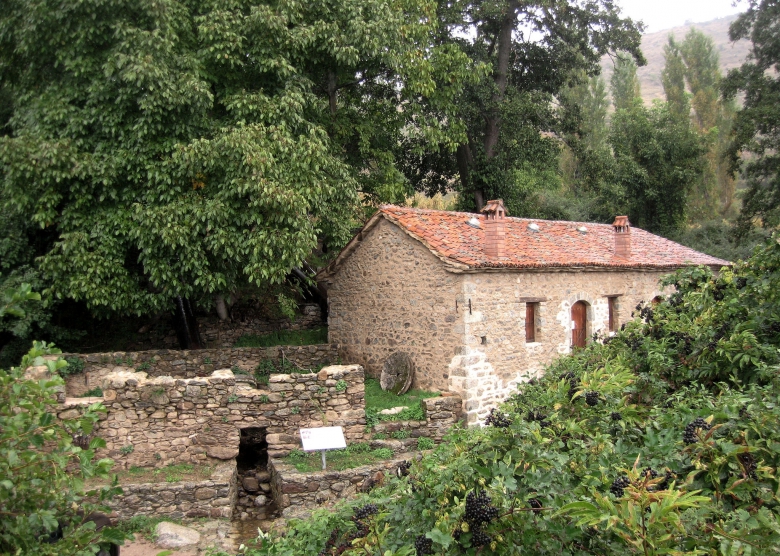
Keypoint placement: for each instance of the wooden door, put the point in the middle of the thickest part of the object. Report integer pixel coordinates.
(579, 315)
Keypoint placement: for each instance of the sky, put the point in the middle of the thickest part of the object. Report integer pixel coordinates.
(665, 14)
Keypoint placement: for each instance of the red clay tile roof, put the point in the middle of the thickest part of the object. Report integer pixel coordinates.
(555, 244)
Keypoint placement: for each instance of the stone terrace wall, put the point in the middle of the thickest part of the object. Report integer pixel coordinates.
(162, 420)
(298, 494)
(152, 422)
(213, 498)
(190, 363)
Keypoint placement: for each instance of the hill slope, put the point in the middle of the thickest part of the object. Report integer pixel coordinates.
(731, 54)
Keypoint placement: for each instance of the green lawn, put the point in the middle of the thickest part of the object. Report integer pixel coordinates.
(378, 399)
(285, 338)
(352, 456)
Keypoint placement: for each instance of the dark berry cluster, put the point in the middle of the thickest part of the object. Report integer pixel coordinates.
(480, 538)
(748, 464)
(650, 473)
(741, 282)
(538, 416)
(497, 419)
(668, 478)
(618, 485)
(423, 545)
(479, 511)
(615, 416)
(691, 434)
(535, 504)
(574, 382)
(365, 511)
(332, 545)
(592, 398)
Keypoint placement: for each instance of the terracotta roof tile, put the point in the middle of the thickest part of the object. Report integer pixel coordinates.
(555, 244)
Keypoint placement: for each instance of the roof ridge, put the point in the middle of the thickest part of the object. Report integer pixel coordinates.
(389, 207)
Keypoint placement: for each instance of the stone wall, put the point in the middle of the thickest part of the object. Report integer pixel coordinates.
(163, 420)
(215, 497)
(392, 294)
(495, 357)
(223, 334)
(298, 494)
(190, 363)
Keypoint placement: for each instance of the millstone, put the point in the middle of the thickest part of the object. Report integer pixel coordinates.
(397, 373)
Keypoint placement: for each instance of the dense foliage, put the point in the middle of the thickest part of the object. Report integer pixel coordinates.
(661, 439)
(756, 130)
(193, 148)
(44, 461)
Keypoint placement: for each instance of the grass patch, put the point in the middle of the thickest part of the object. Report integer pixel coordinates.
(285, 338)
(96, 392)
(352, 456)
(143, 525)
(378, 399)
(172, 473)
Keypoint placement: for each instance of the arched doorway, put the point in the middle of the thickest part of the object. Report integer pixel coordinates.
(579, 324)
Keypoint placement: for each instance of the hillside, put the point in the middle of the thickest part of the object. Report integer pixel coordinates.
(731, 54)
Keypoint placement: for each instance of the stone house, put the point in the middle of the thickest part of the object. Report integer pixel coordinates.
(483, 302)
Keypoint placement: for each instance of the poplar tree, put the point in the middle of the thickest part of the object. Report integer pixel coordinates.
(756, 130)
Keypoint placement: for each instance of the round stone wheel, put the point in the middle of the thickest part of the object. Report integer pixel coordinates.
(397, 373)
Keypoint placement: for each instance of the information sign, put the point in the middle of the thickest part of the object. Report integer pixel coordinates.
(323, 438)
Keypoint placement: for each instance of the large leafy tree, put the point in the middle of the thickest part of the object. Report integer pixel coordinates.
(757, 125)
(187, 149)
(533, 50)
(659, 160)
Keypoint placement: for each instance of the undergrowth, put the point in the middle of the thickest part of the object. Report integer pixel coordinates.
(285, 338)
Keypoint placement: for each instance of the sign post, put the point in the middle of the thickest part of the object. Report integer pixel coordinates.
(323, 439)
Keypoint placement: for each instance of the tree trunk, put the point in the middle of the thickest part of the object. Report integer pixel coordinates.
(493, 117)
(332, 93)
(221, 306)
(186, 325)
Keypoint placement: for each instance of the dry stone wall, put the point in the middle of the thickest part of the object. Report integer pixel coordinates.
(215, 497)
(298, 494)
(191, 363)
(162, 420)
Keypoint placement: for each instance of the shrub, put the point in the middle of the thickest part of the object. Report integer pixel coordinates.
(37, 494)
(74, 366)
(424, 443)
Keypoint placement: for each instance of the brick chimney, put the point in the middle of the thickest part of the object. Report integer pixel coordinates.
(622, 237)
(495, 229)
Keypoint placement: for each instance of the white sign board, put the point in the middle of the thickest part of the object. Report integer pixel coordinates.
(323, 438)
